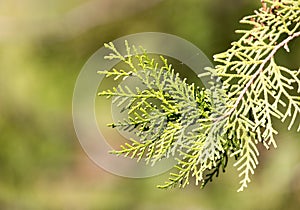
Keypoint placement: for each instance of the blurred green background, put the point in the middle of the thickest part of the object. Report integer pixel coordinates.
(43, 46)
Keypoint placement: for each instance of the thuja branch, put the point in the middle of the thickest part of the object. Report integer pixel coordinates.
(172, 118)
(283, 44)
(262, 91)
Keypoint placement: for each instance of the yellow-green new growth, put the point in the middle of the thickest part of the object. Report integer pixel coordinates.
(203, 128)
(263, 89)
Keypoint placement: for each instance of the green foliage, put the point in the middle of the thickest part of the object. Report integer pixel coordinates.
(162, 112)
(259, 90)
(203, 128)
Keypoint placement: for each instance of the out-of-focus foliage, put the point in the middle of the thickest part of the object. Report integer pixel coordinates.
(43, 46)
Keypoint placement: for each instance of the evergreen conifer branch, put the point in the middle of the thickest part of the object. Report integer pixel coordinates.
(259, 89)
(202, 128)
